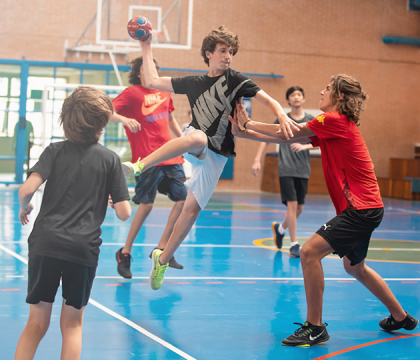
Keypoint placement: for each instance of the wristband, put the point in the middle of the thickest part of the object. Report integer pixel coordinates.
(246, 123)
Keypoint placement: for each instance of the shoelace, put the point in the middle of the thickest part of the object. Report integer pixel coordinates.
(161, 271)
(126, 260)
(303, 330)
(390, 320)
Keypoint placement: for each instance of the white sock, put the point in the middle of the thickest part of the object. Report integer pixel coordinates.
(293, 243)
(281, 230)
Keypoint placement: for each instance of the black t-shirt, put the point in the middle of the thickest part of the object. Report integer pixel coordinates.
(212, 100)
(79, 180)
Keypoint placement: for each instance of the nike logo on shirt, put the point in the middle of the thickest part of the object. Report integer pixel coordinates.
(147, 110)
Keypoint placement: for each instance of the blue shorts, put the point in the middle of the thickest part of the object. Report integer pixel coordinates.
(167, 179)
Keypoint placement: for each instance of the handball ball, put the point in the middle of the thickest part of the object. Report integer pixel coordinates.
(139, 28)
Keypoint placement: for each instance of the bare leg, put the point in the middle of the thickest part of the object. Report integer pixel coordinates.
(37, 326)
(292, 208)
(173, 217)
(71, 322)
(139, 217)
(182, 227)
(377, 286)
(193, 143)
(315, 249)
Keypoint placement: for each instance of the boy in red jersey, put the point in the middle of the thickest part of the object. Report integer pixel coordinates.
(354, 190)
(148, 121)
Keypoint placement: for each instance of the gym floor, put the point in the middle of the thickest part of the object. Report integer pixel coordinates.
(237, 296)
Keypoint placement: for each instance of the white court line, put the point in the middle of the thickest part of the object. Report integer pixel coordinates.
(191, 245)
(140, 329)
(17, 256)
(285, 247)
(114, 314)
(243, 278)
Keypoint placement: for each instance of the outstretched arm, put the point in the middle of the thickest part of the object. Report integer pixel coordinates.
(266, 131)
(150, 73)
(286, 125)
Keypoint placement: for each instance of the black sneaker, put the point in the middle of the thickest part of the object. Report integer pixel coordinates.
(172, 262)
(294, 251)
(389, 323)
(278, 238)
(307, 335)
(124, 262)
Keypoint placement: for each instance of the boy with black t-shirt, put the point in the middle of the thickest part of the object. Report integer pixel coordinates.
(294, 168)
(208, 141)
(354, 191)
(64, 243)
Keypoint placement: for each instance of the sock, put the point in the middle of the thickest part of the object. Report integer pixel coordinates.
(293, 243)
(281, 230)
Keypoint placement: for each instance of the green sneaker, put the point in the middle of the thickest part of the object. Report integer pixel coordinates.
(132, 169)
(158, 271)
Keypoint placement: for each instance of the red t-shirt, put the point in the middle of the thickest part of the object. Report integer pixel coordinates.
(151, 109)
(348, 168)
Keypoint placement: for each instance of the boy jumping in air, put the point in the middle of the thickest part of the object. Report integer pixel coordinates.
(208, 141)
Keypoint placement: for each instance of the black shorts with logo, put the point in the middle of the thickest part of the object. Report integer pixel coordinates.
(167, 179)
(44, 274)
(293, 189)
(349, 232)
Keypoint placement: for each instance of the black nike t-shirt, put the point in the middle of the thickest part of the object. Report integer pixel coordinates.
(79, 180)
(212, 100)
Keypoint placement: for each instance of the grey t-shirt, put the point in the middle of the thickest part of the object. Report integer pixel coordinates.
(294, 164)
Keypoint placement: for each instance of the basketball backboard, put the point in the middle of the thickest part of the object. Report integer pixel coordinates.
(107, 30)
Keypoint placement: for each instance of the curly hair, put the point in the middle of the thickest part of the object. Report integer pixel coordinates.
(133, 75)
(84, 115)
(354, 97)
(219, 36)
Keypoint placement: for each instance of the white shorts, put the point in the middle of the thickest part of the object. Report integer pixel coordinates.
(207, 168)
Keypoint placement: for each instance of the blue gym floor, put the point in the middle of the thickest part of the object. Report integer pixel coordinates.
(236, 298)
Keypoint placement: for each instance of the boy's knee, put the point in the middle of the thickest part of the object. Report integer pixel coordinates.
(198, 138)
(356, 271)
(38, 326)
(305, 253)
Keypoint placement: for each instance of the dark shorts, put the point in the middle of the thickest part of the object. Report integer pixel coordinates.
(167, 179)
(349, 233)
(44, 274)
(293, 189)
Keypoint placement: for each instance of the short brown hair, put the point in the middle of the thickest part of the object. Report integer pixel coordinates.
(133, 75)
(219, 36)
(84, 115)
(354, 97)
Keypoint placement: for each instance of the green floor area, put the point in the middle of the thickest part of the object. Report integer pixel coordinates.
(379, 249)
